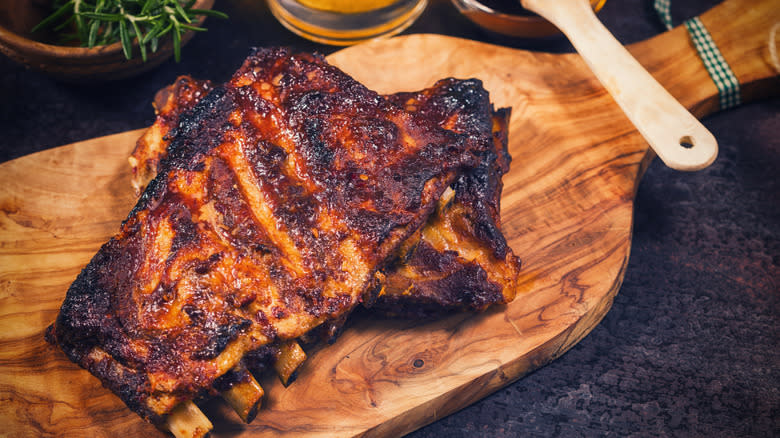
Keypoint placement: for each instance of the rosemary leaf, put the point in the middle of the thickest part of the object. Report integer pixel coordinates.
(153, 32)
(124, 35)
(103, 16)
(93, 32)
(181, 11)
(64, 24)
(195, 28)
(176, 40)
(209, 13)
(139, 36)
(48, 21)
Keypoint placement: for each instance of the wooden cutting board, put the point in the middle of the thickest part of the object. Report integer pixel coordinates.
(567, 211)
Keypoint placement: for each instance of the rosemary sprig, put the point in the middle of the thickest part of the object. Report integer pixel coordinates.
(101, 22)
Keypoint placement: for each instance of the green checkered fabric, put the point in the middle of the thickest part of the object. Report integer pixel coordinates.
(720, 72)
(717, 67)
(664, 10)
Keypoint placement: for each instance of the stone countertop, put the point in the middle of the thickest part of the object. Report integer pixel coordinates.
(690, 346)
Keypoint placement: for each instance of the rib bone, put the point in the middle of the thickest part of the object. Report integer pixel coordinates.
(188, 421)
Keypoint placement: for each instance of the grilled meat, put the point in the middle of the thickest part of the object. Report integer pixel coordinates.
(460, 259)
(169, 103)
(281, 195)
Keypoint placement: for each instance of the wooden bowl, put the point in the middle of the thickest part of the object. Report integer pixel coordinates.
(527, 25)
(73, 64)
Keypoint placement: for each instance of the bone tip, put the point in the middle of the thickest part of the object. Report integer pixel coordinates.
(188, 421)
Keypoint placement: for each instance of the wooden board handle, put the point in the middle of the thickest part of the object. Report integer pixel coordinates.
(741, 30)
(676, 136)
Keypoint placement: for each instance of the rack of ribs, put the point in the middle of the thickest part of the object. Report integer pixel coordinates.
(282, 200)
(459, 260)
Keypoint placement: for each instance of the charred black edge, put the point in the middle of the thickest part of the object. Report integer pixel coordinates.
(252, 414)
(182, 148)
(178, 153)
(470, 95)
(481, 187)
(87, 300)
(465, 286)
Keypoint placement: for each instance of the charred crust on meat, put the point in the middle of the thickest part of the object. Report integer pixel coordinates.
(451, 284)
(272, 210)
(426, 281)
(200, 129)
(219, 338)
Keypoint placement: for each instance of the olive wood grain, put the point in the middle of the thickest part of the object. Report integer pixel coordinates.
(567, 211)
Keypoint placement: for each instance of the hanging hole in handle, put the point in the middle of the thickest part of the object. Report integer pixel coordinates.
(686, 142)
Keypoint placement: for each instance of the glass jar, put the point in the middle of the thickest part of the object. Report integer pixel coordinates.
(346, 22)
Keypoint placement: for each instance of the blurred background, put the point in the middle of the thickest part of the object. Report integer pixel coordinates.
(77, 112)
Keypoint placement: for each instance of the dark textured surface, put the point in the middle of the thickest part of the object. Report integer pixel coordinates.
(689, 347)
